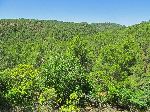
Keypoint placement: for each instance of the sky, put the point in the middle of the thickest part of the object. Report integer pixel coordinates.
(125, 12)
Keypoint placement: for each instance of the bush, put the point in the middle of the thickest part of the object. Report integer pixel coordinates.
(24, 87)
(65, 74)
(112, 71)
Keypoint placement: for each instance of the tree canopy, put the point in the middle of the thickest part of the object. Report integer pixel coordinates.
(53, 65)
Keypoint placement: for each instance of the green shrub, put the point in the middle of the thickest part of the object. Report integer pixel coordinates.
(65, 74)
(115, 65)
(72, 103)
(24, 87)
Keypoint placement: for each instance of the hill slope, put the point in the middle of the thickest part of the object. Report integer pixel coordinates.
(48, 65)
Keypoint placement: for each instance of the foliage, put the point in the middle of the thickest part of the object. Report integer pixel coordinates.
(65, 74)
(71, 103)
(24, 86)
(51, 65)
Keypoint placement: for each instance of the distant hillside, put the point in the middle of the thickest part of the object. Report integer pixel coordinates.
(56, 29)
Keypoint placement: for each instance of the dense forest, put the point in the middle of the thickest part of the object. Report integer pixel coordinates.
(49, 65)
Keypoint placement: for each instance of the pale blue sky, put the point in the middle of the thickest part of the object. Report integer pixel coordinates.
(125, 12)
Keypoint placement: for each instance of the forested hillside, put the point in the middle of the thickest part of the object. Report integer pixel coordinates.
(49, 65)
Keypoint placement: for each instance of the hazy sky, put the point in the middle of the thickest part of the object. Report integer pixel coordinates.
(125, 12)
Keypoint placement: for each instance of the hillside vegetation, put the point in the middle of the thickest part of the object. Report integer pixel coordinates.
(48, 65)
